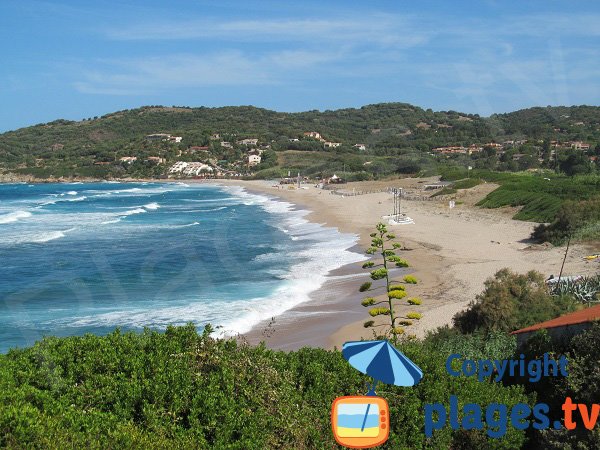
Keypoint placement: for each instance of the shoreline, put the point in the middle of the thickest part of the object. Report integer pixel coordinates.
(451, 251)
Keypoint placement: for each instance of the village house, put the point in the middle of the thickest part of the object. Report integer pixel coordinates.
(164, 137)
(564, 326)
(251, 141)
(156, 159)
(314, 135)
(128, 159)
(361, 147)
(254, 160)
(328, 144)
(226, 144)
(578, 145)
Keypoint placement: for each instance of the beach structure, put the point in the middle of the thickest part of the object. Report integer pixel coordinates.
(564, 326)
(397, 218)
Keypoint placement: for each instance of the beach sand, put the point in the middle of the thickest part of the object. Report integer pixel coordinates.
(451, 251)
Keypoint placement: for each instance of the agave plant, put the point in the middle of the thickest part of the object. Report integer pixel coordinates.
(584, 289)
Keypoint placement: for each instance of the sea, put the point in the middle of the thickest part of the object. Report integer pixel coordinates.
(89, 257)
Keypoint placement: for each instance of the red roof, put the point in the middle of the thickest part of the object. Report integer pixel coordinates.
(581, 316)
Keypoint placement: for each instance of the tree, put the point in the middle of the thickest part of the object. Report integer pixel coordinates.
(382, 244)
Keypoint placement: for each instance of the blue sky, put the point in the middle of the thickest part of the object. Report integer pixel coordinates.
(75, 59)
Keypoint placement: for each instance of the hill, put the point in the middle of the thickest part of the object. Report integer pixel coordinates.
(406, 133)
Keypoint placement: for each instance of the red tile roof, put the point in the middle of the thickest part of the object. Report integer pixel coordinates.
(581, 316)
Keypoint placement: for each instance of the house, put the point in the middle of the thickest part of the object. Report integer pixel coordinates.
(473, 148)
(158, 137)
(564, 326)
(314, 135)
(251, 141)
(578, 145)
(493, 145)
(164, 137)
(215, 137)
(128, 159)
(361, 147)
(155, 159)
(328, 144)
(293, 139)
(253, 160)
(226, 144)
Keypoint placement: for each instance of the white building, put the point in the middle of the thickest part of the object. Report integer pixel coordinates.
(253, 160)
(361, 147)
(128, 159)
(226, 144)
(328, 144)
(251, 141)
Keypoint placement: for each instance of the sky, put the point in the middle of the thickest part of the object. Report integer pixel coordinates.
(73, 59)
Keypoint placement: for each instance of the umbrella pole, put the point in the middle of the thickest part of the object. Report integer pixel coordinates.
(371, 392)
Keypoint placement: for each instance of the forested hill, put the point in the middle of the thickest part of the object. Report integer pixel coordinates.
(386, 129)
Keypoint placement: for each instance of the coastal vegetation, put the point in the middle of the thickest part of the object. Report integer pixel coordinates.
(511, 301)
(383, 245)
(181, 389)
(184, 389)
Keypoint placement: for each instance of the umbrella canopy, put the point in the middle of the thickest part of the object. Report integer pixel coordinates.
(380, 360)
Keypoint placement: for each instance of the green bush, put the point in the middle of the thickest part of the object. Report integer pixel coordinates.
(179, 389)
(511, 301)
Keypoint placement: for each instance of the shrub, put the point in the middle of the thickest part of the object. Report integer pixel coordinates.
(511, 301)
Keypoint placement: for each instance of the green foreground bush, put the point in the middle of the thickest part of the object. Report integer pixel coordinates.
(179, 389)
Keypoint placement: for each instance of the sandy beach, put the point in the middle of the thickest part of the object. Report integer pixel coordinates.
(451, 251)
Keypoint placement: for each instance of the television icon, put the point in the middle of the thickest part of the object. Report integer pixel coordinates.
(360, 421)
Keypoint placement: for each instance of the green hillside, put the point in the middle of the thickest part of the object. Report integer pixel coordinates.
(407, 133)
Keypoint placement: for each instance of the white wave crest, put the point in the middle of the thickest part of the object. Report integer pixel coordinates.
(14, 216)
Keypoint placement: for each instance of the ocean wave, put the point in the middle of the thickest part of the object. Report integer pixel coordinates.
(40, 238)
(14, 217)
(131, 212)
(151, 206)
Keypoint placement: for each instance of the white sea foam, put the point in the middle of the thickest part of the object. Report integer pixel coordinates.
(324, 250)
(40, 238)
(131, 212)
(72, 193)
(14, 216)
(152, 206)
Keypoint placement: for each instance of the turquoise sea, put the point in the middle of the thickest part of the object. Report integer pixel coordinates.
(78, 258)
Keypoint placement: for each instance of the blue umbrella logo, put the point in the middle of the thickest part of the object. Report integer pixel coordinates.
(380, 360)
(363, 421)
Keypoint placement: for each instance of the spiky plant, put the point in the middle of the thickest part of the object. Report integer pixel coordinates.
(383, 246)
